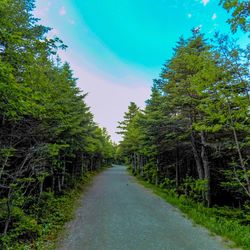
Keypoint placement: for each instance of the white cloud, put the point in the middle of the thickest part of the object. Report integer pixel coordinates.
(72, 22)
(109, 100)
(41, 11)
(52, 33)
(62, 11)
(111, 82)
(214, 16)
(189, 15)
(108, 96)
(205, 2)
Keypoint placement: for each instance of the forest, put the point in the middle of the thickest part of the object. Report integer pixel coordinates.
(195, 127)
(192, 139)
(49, 141)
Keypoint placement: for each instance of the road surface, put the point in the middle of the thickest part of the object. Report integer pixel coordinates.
(117, 213)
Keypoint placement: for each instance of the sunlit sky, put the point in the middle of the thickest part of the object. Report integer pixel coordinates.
(117, 47)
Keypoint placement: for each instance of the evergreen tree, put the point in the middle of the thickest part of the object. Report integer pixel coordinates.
(48, 139)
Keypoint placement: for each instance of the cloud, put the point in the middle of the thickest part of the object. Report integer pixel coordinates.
(42, 10)
(189, 15)
(110, 82)
(72, 22)
(108, 96)
(109, 100)
(62, 11)
(214, 16)
(205, 2)
(52, 33)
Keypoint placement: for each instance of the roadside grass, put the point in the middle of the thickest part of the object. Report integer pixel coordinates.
(222, 221)
(55, 212)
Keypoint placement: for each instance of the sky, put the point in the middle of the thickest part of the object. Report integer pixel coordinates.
(116, 48)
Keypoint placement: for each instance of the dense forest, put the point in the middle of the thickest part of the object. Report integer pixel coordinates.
(48, 139)
(193, 137)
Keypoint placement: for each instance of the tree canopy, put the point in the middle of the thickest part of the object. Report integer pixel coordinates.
(48, 138)
(194, 132)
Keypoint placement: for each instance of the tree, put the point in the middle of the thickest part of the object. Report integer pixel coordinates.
(240, 14)
(48, 138)
(128, 116)
(228, 110)
(195, 124)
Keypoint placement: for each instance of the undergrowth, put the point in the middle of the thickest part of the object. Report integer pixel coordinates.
(46, 219)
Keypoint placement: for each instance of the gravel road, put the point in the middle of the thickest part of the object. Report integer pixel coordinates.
(117, 213)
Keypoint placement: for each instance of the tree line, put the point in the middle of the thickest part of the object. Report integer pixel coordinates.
(48, 138)
(193, 137)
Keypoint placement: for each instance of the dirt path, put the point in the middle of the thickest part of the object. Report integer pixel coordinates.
(116, 213)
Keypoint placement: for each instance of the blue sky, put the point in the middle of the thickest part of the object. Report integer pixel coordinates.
(116, 47)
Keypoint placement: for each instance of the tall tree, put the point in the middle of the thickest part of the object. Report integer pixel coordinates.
(48, 138)
(128, 116)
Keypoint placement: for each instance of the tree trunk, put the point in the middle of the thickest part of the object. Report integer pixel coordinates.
(177, 178)
(7, 222)
(82, 165)
(63, 173)
(53, 181)
(206, 166)
(91, 163)
(41, 188)
(134, 162)
(59, 184)
(157, 173)
(141, 165)
(242, 164)
(197, 158)
(3, 166)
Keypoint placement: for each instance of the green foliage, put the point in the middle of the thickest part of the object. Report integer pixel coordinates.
(192, 138)
(46, 218)
(193, 188)
(167, 184)
(195, 123)
(240, 11)
(48, 138)
(128, 116)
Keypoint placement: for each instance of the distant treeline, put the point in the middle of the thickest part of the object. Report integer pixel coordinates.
(48, 139)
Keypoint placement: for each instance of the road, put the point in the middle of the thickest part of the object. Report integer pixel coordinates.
(117, 213)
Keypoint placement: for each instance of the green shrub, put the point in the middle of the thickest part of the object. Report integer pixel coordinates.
(36, 225)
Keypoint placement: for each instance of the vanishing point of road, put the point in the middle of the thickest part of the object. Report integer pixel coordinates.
(117, 213)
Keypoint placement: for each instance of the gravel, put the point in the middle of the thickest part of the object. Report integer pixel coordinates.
(117, 213)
